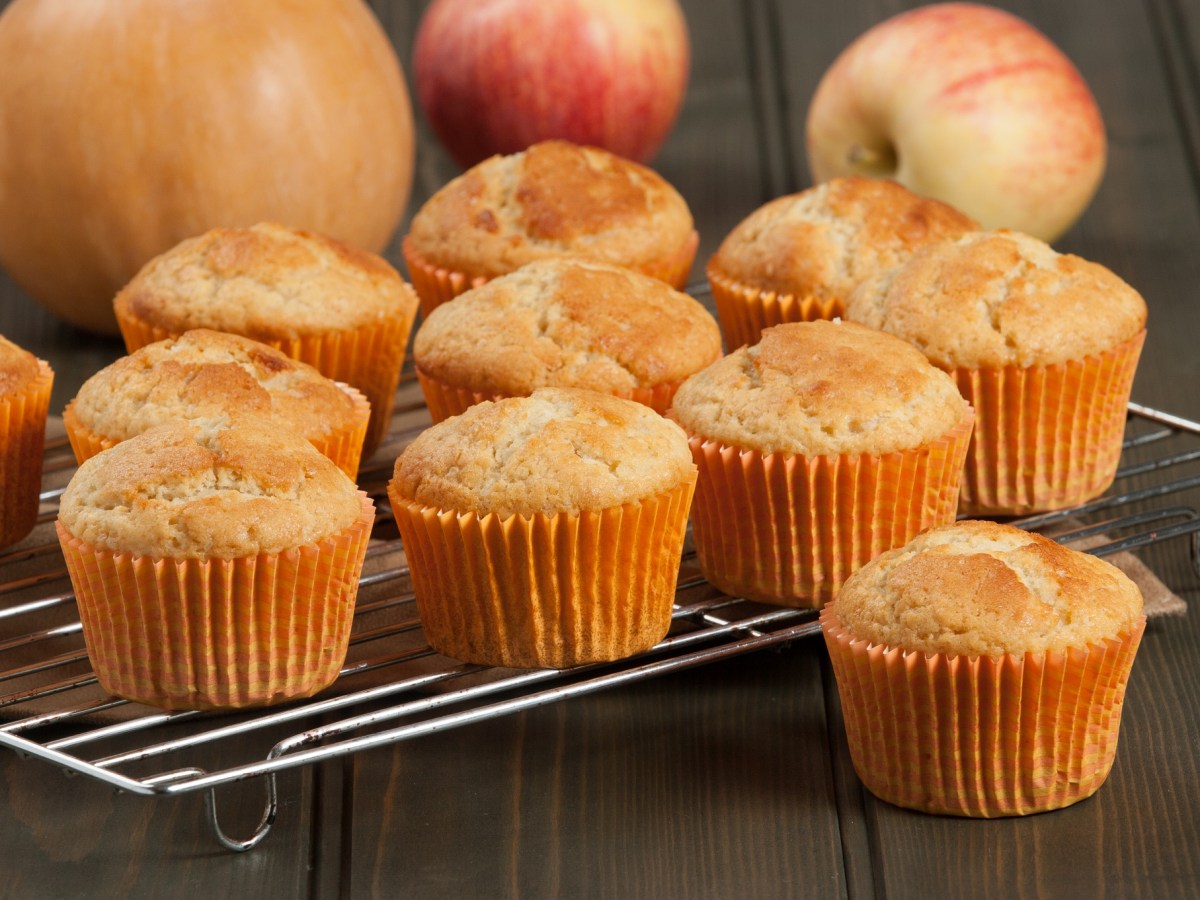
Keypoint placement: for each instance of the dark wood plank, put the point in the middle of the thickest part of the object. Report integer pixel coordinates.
(714, 783)
(732, 780)
(74, 837)
(1133, 837)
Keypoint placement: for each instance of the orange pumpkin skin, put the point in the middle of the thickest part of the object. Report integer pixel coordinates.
(129, 125)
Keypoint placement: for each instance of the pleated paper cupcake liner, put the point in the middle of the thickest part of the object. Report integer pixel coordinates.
(343, 446)
(435, 284)
(548, 590)
(981, 736)
(22, 445)
(1046, 437)
(745, 311)
(789, 530)
(445, 400)
(219, 633)
(369, 358)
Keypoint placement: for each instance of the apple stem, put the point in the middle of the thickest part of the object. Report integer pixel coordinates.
(872, 161)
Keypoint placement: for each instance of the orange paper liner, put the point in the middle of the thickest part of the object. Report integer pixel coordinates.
(445, 400)
(744, 311)
(981, 736)
(435, 284)
(1046, 437)
(343, 446)
(789, 530)
(547, 590)
(369, 358)
(219, 633)
(22, 445)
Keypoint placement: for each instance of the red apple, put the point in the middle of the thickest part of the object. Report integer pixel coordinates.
(969, 105)
(494, 76)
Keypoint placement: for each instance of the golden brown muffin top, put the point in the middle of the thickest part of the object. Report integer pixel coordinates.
(986, 589)
(567, 323)
(551, 199)
(817, 388)
(18, 367)
(1000, 298)
(208, 374)
(821, 242)
(269, 282)
(559, 450)
(209, 490)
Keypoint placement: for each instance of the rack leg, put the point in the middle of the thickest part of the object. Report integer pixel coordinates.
(264, 825)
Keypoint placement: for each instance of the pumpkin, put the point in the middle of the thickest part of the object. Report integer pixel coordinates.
(129, 125)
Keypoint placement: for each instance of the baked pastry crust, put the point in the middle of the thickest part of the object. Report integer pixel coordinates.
(993, 299)
(979, 588)
(822, 241)
(821, 387)
(558, 450)
(268, 282)
(210, 489)
(551, 199)
(567, 323)
(207, 374)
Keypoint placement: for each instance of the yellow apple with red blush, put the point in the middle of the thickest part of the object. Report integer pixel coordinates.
(970, 105)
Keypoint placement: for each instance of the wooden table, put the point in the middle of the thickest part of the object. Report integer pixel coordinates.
(732, 780)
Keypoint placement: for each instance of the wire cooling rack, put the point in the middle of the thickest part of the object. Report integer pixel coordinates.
(394, 687)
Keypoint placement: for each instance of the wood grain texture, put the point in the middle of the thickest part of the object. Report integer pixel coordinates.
(713, 783)
(1132, 839)
(733, 780)
(64, 837)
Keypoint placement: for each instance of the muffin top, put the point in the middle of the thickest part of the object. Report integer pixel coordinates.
(1000, 298)
(205, 489)
(269, 282)
(205, 374)
(18, 367)
(559, 450)
(823, 387)
(551, 199)
(986, 589)
(567, 323)
(821, 242)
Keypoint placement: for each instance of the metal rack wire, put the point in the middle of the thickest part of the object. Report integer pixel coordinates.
(394, 687)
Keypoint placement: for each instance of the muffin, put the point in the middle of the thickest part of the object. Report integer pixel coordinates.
(208, 374)
(563, 323)
(545, 530)
(552, 199)
(819, 447)
(798, 257)
(982, 670)
(215, 565)
(344, 311)
(1044, 346)
(25, 383)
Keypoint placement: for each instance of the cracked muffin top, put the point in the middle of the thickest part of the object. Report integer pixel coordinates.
(821, 242)
(18, 367)
(1001, 298)
(985, 589)
(558, 450)
(268, 282)
(205, 374)
(567, 323)
(553, 198)
(209, 489)
(821, 387)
